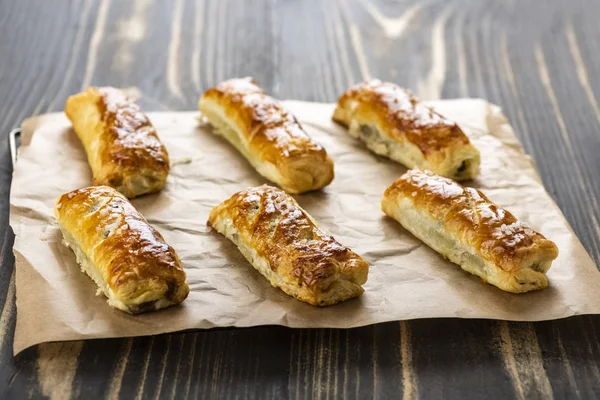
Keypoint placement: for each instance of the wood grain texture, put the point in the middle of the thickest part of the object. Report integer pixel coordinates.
(540, 62)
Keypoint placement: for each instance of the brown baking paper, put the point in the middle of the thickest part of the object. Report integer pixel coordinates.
(56, 301)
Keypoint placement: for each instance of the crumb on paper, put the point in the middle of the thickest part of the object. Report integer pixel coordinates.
(183, 160)
(202, 120)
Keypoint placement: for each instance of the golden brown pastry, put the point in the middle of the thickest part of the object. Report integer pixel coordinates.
(394, 123)
(122, 146)
(285, 244)
(465, 227)
(269, 136)
(127, 258)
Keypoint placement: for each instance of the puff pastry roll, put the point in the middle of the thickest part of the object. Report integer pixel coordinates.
(465, 227)
(127, 258)
(269, 136)
(285, 245)
(394, 123)
(122, 146)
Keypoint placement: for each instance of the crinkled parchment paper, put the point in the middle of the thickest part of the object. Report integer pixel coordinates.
(56, 301)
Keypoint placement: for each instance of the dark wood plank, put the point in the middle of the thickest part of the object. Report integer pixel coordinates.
(539, 62)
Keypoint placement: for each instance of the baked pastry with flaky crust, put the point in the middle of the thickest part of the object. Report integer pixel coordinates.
(468, 229)
(126, 257)
(285, 244)
(268, 135)
(394, 123)
(122, 146)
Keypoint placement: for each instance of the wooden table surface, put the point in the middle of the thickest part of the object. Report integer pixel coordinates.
(539, 60)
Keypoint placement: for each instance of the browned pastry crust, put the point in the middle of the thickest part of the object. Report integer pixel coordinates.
(285, 244)
(126, 257)
(394, 123)
(122, 146)
(269, 136)
(467, 228)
